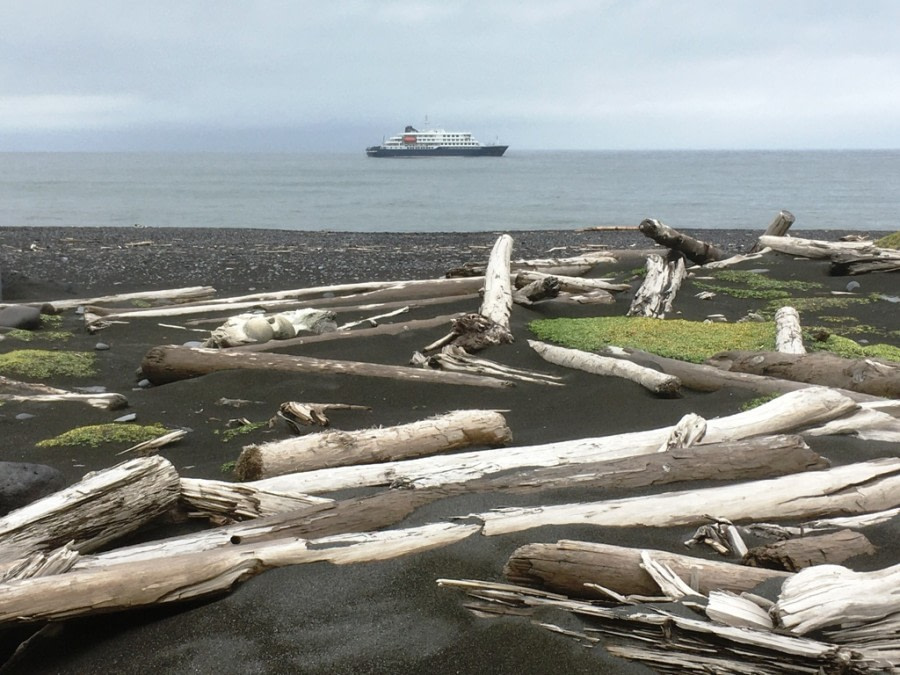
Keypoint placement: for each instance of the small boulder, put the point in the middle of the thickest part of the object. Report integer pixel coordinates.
(22, 483)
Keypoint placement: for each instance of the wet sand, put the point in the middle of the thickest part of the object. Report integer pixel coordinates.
(385, 617)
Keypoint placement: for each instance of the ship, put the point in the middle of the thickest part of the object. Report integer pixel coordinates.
(434, 143)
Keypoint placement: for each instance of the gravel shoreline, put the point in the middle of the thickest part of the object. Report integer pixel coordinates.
(37, 262)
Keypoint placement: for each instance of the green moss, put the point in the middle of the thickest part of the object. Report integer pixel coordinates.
(693, 341)
(230, 434)
(228, 467)
(819, 304)
(890, 241)
(851, 349)
(758, 401)
(45, 335)
(99, 434)
(752, 285)
(43, 363)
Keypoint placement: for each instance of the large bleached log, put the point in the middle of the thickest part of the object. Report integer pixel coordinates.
(497, 303)
(816, 248)
(699, 252)
(702, 377)
(885, 260)
(139, 584)
(820, 549)
(235, 501)
(570, 284)
(856, 488)
(798, 409)
(575, 568)
(777, 228)
(188, 294)
(868, 376)
(788, 334)
(13, 390)
(828, 595)
(569, 266)
(659, 383)
(451, 431)
(874, 421)
(102, 507)
(172, 363)
(657, 293)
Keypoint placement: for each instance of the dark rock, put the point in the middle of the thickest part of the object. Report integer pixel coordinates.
(20, 316)
(22, 483)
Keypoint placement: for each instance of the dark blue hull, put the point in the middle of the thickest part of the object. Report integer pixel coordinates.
(440, 151)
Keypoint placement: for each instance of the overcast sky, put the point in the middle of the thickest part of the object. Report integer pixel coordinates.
(297, 75)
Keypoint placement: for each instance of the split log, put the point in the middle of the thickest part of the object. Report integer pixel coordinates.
(13, 390)
(700, 377)
(567, 567)
(856, 488)
(788, 334)
(816, 248)
(188, 294)
(455, 358)
(798, 409)
(829, 595)
(698, 252)
(171, 363)
(657, 293)
(659, 383)
(793, 555)
(497, 303)
(194, 575)
(104, 506)
(777, 228)
(454, 430)
(570, 284)
(865, 375)
(885, 260)
(235, 501)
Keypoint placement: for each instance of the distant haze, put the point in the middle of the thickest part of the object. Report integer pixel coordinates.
(296, 76)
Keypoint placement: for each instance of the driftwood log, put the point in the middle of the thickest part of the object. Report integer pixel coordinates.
(698, 252)
(793, 555)
(179, 295)
(788, 334)
(856, 488)
(818, 249)
(13, 390)
(777, 228)
(570, 284)
(656, 294)
(171, 363)
(886, 260)
(235, 501)
(454, 430)
(659, 383)
(576, 568)
(867, 376)
(798, 409)
(104, 506)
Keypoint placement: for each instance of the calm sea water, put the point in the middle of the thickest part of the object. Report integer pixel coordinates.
(523, 190)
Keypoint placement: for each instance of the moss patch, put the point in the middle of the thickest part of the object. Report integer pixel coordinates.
(890, 241)
(234, 432)
(692, 341)
(99, 434)
(851, 349)
(44, 363)
(45, 335)
(746, 284)
(758, 401)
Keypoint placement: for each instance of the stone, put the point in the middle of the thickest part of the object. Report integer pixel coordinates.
(22, 483)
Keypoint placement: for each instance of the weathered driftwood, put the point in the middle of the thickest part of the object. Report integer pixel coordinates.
(102, 507)
(458, 429)
(251, 328)
(14, 390)
(659, 383)
(777, 228)
(798, 409)
(193, 575)
(820, 549)
(816, 248)
(874, 421)
(657, 293)
(788, 334)
(570, 284)
(568, 266)
(535, 291)
(298, 415)
(235, 501)
(472, 333)
(497, 303)
(885, 260)
(187, 294)
(172, 363)
(829, 595)
(669, 641)
(736, 259)
(455, 358)
(868, 376)
(856, 488)
(154, 444)
(699, 252)
(577, 568)
(702, 377)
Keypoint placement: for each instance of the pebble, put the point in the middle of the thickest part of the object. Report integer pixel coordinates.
(144, 384)
(852, 286)
(24, 416)
(130, 417)
(101, 346)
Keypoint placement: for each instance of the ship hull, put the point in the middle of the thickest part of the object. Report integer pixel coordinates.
(440, 151)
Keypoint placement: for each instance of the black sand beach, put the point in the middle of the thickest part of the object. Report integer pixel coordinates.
(385, 617)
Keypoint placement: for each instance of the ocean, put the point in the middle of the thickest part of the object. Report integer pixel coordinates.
(524, 190)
